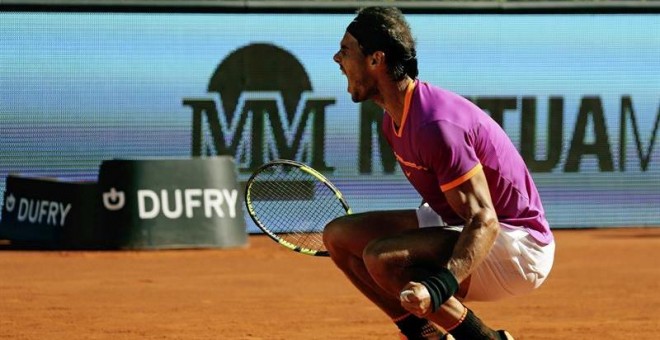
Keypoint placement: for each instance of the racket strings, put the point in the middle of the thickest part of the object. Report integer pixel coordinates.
(295, 206)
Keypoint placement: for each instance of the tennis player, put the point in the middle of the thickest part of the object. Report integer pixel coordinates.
(481, 234)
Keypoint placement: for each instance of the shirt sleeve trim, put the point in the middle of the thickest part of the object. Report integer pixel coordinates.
(462, 179)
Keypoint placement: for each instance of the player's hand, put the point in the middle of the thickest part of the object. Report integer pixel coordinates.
(416, 299)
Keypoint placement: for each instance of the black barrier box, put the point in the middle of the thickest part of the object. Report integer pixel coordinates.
(48, 213)
(187, 203)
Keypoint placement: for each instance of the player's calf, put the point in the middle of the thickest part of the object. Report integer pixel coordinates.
(470, 327)
(414, 328)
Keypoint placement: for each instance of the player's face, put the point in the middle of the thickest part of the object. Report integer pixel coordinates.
(354, 64)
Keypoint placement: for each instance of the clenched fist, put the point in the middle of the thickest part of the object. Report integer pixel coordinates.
(416, 299)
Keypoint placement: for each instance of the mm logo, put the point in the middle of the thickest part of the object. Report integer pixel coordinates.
(263, 110)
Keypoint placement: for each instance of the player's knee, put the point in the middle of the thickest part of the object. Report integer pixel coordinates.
(336, 234)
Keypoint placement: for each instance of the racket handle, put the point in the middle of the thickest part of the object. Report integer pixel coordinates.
(404, 295)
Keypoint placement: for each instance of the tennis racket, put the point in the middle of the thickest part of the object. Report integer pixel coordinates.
(292, 203)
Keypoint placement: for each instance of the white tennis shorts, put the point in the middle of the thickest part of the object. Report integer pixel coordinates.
(516, 265)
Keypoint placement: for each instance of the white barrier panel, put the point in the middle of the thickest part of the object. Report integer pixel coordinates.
(172, 203)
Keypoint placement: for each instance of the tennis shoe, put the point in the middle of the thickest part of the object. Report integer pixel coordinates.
(505, 335)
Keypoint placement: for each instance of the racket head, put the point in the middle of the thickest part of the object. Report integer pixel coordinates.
(292, 202)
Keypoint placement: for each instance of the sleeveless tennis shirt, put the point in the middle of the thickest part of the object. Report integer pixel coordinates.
(444, 140)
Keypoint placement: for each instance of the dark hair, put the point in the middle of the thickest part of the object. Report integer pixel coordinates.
(385, 29)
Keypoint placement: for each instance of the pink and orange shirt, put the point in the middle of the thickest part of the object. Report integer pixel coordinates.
(444, 140)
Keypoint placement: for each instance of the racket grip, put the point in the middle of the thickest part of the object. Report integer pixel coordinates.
(404, 295)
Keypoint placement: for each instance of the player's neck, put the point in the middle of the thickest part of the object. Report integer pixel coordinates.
(393, 97)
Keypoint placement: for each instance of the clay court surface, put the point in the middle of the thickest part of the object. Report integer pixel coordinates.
(605, 285)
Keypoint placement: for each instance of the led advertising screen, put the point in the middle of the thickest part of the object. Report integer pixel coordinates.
(578, 94)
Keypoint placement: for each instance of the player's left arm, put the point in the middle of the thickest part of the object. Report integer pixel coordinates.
(471, 200)
(470, 197)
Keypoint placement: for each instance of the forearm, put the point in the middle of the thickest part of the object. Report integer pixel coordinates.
(474, 243)
(472, 247)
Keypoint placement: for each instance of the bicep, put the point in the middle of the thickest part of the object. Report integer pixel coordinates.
(471, 197)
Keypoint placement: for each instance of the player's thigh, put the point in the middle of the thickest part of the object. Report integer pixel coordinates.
(425, 250)
(355, 231)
